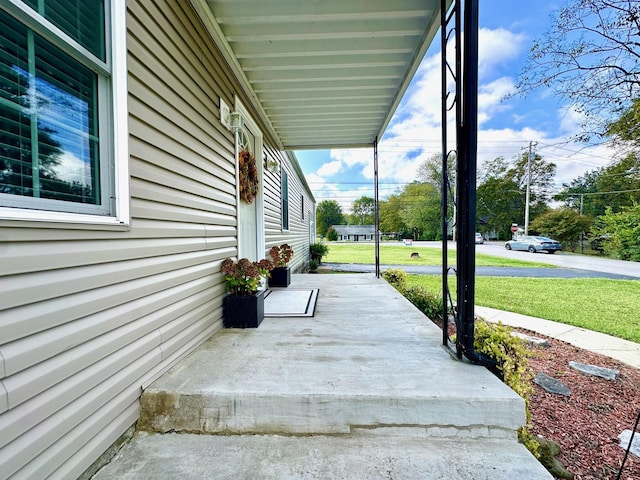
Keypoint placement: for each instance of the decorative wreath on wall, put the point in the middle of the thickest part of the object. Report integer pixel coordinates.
(248, 176)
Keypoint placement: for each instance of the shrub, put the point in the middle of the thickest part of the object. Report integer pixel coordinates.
(396, 277)
(497, 342)
(428, 303)
(318, 250)
(313, 266)
(332, 235)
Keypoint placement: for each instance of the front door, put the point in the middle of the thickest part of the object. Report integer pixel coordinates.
(250, 215)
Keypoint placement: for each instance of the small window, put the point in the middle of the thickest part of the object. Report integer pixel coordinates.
(58, 127)
(285, 200)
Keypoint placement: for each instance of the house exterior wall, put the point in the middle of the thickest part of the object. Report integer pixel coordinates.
(301, 211)
(90, 317)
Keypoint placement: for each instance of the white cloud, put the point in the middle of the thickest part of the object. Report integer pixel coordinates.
(496, 47)
(73, 169)
(414, 134)
(330, 168)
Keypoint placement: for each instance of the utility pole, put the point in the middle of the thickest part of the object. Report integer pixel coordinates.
(526, 206)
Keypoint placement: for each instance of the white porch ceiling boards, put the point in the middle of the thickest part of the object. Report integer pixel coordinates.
(327, 73)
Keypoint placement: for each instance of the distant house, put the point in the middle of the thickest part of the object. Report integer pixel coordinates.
(355, 233)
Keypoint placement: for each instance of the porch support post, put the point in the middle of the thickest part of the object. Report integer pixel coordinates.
(375, 206)
(449, 29)
(467, 135)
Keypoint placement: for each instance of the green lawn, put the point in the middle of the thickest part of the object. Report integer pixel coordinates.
(395, 254)
(601, 305)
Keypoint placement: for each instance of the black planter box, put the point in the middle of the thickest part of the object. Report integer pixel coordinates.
(243, 311)
(280, 277)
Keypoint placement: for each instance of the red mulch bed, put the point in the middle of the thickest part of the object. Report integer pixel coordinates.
(587, 423)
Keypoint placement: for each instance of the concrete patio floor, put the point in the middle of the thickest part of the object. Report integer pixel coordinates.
(363, 389)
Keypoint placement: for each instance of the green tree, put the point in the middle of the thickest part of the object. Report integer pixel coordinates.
(499, 204)
(430, 171)
(391, 215)
(621, 233)
(363, 211)
(627, 127)
(616, 186)
(589, 58)
(422, 211)
(501, 194)
(581, 194)
(328, 212)
(564, 224)
(622, 179)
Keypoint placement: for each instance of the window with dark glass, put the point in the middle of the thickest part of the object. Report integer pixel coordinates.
(50, 108)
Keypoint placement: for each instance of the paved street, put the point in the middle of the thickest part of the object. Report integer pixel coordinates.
(566, 260)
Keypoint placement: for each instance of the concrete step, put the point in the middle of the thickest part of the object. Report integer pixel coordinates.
(241, 382)
(267, 457)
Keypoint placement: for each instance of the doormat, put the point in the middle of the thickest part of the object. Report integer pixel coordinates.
(290, 302)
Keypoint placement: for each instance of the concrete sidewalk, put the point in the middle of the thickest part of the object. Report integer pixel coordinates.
(363, 390)
(617, 348)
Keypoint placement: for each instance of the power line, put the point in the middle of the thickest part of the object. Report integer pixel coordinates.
(595, 193)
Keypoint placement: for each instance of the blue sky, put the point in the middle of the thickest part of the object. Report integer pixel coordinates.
(507, 30)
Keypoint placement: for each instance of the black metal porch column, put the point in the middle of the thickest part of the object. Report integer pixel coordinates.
(450, 29)
(467, 135)
(466, 102)
(376, 206)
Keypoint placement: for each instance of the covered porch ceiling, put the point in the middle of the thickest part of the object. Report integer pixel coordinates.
(325, 73)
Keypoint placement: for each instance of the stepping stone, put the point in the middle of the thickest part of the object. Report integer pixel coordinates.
(552, 385)
(540, 342)
(593, 370)
(625, 436)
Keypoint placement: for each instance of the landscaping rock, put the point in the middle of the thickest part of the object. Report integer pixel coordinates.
(606, 373)
(548, 451)
(625, 436)
(540, 342)
(552, 385)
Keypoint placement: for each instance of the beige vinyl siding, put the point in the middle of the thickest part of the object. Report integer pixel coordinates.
(88, 318)
(298, 233)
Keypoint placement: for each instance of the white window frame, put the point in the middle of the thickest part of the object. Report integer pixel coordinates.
(114, 148)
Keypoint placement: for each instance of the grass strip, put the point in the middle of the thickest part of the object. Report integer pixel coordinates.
(602, 305)
(401, 255)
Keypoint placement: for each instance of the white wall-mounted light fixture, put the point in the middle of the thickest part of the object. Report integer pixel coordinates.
(271, 164)
(225, 114)
(236, 121)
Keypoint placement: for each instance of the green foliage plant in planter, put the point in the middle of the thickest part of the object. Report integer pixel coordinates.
(317, 251)
(313, 266)
(280, 274)
(243, 307)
